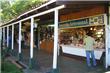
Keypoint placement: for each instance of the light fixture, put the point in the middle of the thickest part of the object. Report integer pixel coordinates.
(101, 29)
(91, 28)
(94, 29)
(35, 25)
(98, 36)
(99, 32)
(51, 25)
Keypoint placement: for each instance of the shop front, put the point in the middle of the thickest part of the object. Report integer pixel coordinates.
(72, 33)
(73, 27)
(73, 20)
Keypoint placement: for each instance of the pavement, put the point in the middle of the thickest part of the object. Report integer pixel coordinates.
(65, 64)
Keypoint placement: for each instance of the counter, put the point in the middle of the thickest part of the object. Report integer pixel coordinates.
(73, 50)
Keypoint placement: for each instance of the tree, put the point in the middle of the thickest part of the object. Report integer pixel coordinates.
(9, 11)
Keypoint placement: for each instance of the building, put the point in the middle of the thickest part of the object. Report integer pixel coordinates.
(67, 17)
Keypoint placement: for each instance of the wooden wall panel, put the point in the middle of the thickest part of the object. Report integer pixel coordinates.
(47, 46)
(84, 13)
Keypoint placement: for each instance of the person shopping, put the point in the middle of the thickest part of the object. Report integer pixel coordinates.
(89, 42)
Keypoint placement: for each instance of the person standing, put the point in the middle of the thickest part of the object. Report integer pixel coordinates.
(89, 42)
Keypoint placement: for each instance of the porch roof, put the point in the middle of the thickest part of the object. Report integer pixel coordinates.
(71, 6)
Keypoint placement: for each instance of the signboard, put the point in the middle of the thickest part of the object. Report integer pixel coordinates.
(97, 20)
(74, 23)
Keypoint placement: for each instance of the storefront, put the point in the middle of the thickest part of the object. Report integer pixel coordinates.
(73, 27)
(73, 20)
(72, 33)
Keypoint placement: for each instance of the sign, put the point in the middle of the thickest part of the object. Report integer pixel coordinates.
(96, 20)
(83, 22)
(74, 23)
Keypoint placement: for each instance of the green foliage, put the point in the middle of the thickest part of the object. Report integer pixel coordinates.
(11, 10)
(8, 67)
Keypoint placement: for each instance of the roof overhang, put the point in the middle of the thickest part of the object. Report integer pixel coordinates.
(71, 6)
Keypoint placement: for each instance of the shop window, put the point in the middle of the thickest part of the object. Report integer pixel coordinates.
(75, 36)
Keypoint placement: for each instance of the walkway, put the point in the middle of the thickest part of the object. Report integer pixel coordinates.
(43, 63)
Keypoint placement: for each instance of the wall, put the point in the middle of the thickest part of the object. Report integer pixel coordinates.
(47, 46)
(84, 13)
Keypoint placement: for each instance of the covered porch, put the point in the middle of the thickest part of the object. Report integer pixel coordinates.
(40, 58)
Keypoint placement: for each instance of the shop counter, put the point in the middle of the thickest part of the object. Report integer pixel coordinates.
(73, 50)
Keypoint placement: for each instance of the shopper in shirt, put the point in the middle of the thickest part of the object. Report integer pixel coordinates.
(89, 43)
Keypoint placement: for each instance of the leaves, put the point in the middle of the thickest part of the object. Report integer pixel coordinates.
(12, 8)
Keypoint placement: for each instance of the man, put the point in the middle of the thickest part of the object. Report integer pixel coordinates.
(88, 44)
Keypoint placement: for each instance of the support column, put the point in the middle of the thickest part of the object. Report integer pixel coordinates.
(0, 38)
(55, 52)
(32, 62)
(0, 44)
(20, 56)
(106, 40)
(3, 36)
(12, 43)
(38, 39)
(7, 36)
(31, 43)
